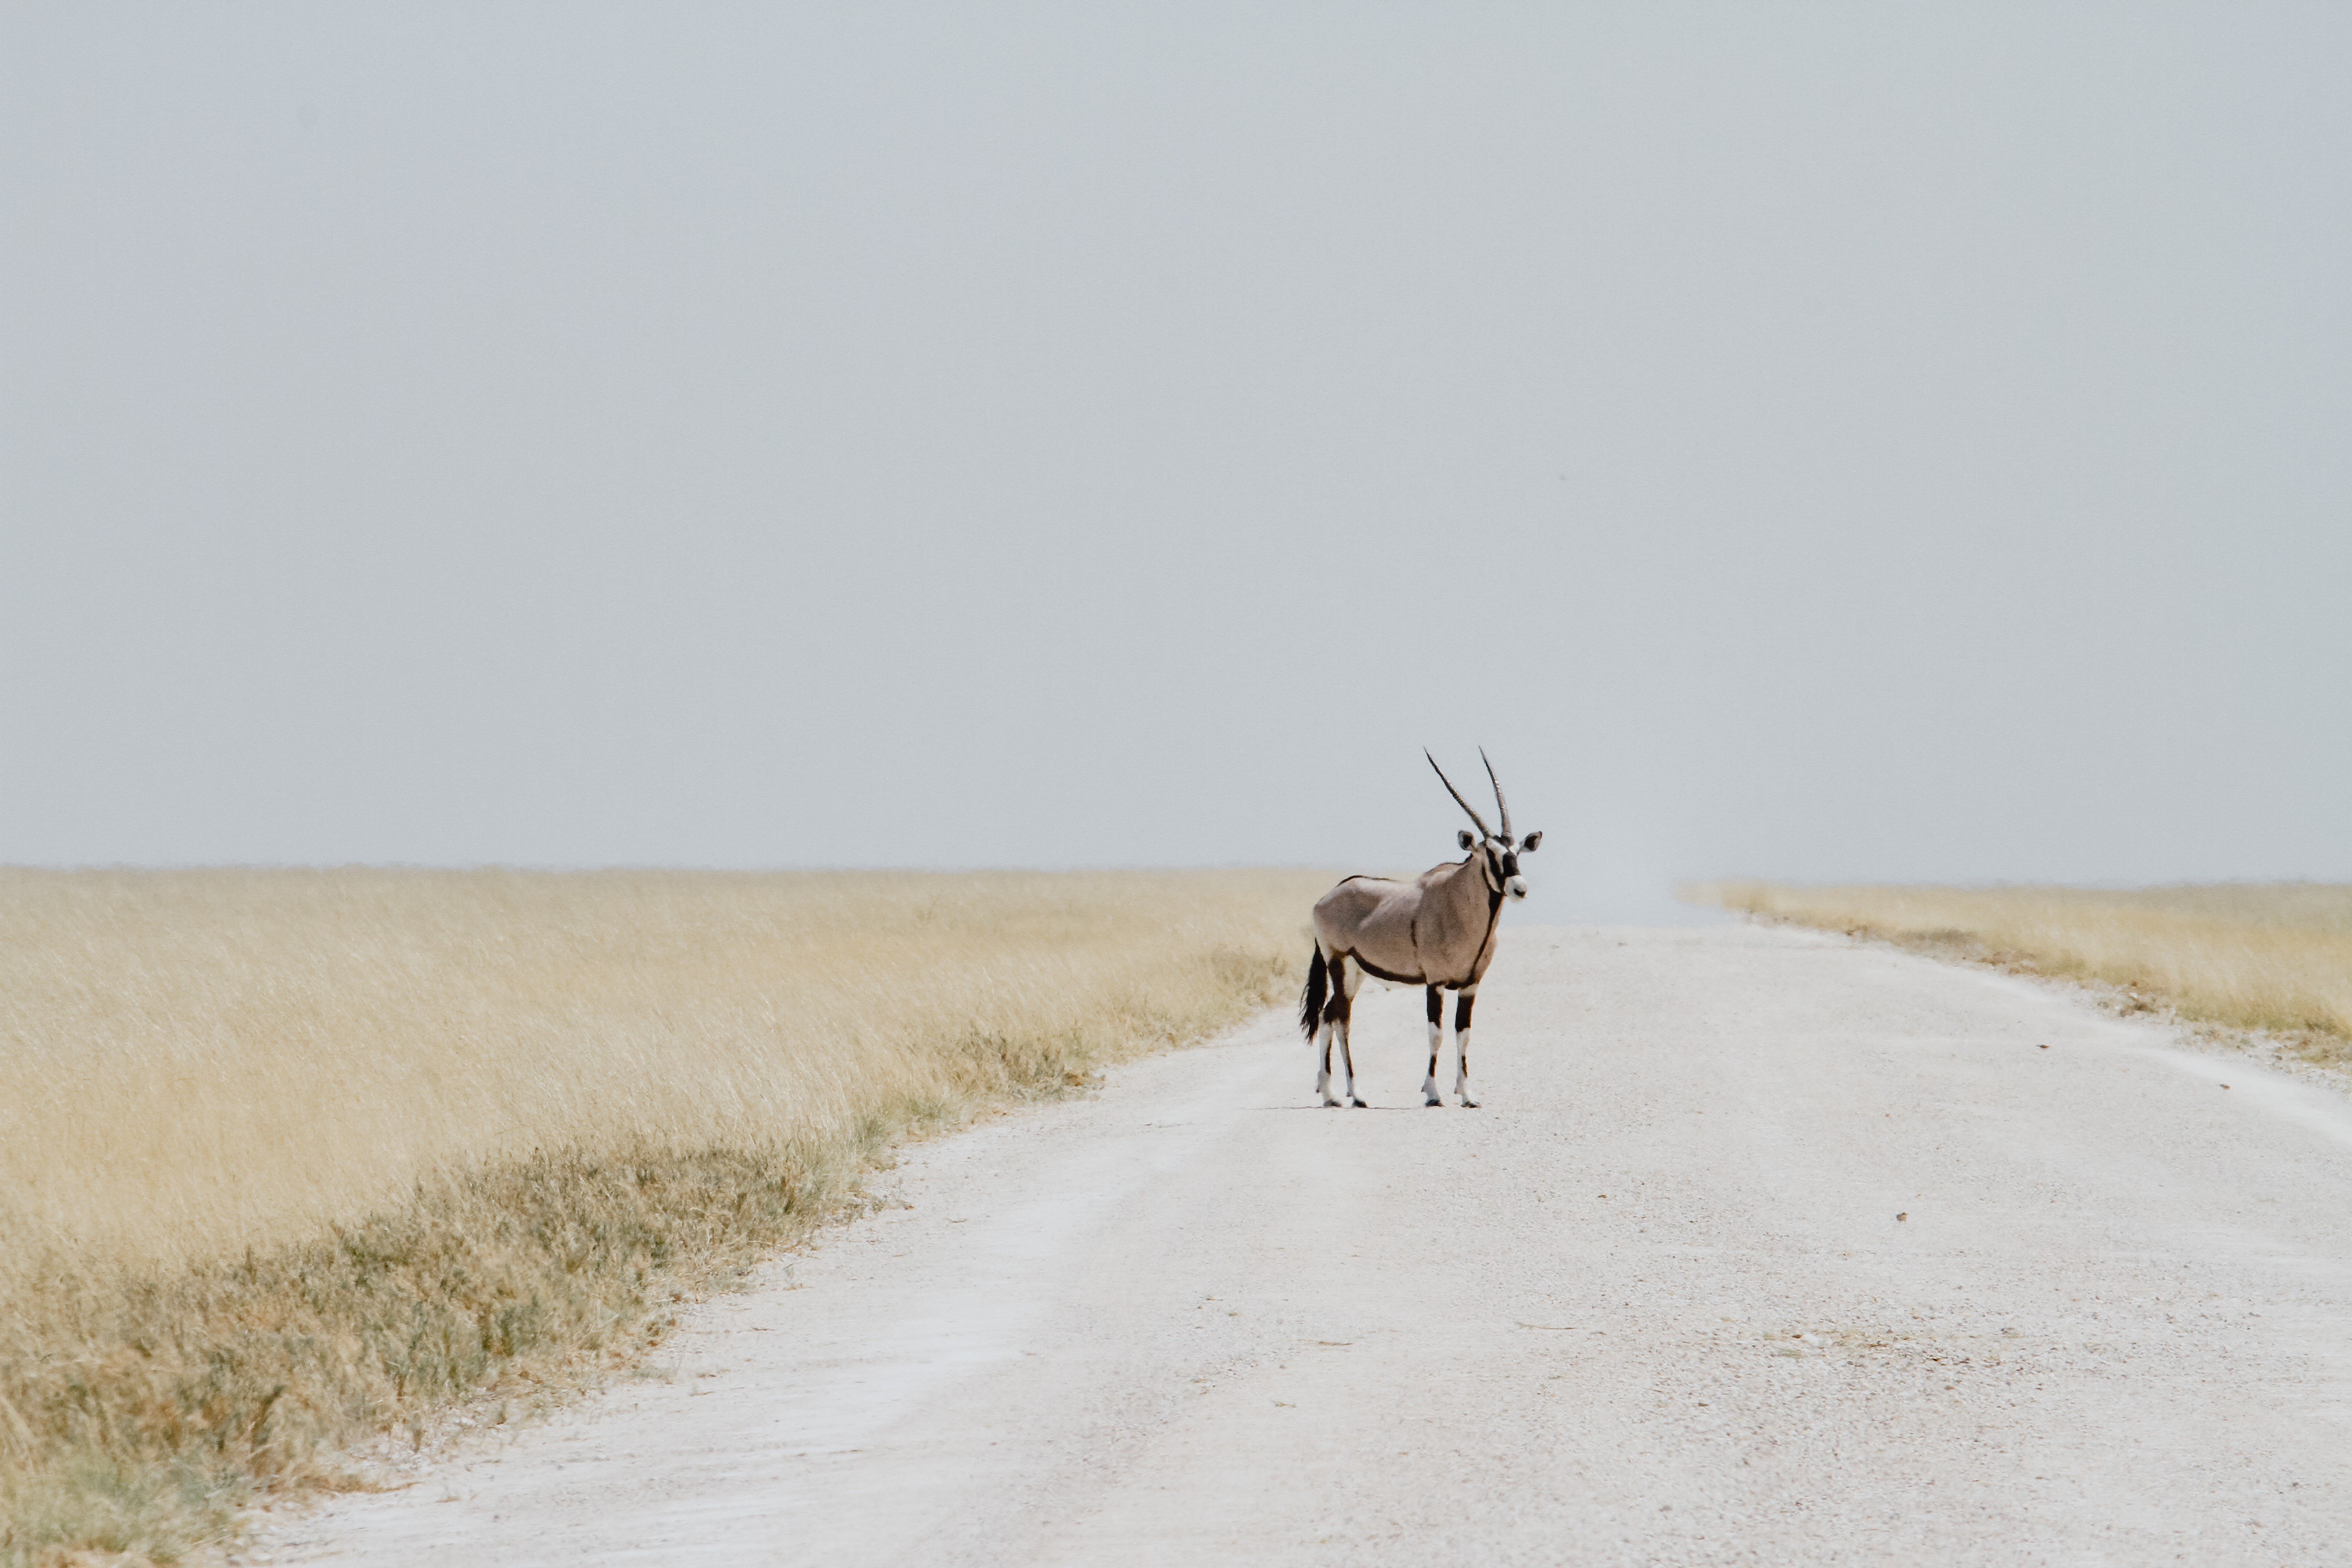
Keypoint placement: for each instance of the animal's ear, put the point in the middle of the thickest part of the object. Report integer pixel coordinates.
(1464, 838)
(1528, 845)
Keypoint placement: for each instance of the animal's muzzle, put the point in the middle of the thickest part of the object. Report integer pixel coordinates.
(1516, 887)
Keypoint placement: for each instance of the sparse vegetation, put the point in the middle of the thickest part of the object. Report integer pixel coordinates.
(287, 1159)
(2270, 956)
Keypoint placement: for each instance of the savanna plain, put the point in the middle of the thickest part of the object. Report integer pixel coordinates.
(290, 1159)
(2273, 957)
(294, 1161)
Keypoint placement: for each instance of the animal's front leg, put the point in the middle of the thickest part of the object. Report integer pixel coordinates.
(1429, 1095)
(1462, 1048)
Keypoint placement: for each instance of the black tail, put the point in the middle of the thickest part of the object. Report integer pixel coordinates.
(1318, 984)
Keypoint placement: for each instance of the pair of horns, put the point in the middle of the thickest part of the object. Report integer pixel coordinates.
(1500, 804)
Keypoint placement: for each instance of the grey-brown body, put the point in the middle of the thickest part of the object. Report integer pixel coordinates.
(1436, 931)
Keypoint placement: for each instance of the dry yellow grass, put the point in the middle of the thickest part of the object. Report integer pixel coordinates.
(288, 1158)
(2269, 956)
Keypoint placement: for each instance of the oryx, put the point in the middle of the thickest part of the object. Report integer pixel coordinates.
(1437, 931)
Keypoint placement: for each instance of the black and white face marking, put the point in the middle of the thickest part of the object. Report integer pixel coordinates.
(1497, 854)
(1499, 860)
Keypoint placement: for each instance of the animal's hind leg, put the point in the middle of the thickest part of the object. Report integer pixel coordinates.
(1461, 1047)
(1335, 1006)
(1323, 1055)
(1345, 983)
(1429, 1095)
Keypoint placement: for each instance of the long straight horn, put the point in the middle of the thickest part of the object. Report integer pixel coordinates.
(1457, 795)
(1500, 804)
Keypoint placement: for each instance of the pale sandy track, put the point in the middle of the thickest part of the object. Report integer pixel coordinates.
(1191, 1320)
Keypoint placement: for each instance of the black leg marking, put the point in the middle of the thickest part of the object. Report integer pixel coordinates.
(1462, 1046)
(1436, 1022)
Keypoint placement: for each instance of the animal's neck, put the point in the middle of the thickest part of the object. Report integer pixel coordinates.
(1466, 890)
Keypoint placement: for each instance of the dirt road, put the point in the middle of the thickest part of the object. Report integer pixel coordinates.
(1766, 1249)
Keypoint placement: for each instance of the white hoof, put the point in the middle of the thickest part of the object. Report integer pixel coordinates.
(1468, 1103)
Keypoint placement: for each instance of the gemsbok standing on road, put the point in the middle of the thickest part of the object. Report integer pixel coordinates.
(1437, 931)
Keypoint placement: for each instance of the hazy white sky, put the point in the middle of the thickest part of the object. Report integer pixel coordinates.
(1839, 441)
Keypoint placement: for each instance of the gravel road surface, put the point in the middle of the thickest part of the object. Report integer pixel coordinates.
(1766, 1248)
